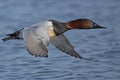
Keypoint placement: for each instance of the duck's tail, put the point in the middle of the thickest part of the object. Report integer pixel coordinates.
(12, 36)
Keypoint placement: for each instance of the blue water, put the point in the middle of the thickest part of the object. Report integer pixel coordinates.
(102, 45)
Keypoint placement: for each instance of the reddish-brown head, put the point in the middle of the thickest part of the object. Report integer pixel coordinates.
(82, 24)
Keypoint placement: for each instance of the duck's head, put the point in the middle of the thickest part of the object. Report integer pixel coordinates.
(61, 27)
(83, 24)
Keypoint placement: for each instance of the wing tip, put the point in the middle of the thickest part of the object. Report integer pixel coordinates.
(77, 56)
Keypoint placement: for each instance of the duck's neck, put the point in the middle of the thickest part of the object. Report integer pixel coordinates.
(59, 27)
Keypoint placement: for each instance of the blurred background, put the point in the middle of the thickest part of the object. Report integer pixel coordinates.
(102, 45)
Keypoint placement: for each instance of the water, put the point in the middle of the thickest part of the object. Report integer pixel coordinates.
(102, 45)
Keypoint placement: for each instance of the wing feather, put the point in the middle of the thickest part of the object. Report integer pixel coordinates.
(34, 45)
(64, 45)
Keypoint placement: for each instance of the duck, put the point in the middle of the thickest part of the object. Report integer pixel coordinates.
(37, 37)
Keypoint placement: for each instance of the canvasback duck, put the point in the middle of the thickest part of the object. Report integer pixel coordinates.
(38, 36)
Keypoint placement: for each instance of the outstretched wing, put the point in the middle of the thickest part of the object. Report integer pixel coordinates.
(34, 45)
(64, 45)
